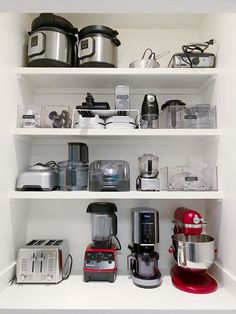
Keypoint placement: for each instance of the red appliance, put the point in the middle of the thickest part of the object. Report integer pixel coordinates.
(189, 274)
(100, 256)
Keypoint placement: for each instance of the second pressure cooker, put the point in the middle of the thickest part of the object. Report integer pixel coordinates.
(97, 46)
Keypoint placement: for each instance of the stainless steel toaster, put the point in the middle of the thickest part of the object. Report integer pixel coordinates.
(37, 178)
(43, 261)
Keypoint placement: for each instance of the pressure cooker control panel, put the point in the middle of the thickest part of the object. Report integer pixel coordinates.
(37, 44)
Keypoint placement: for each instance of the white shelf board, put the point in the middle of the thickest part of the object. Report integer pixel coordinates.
(123, 296)
(162, 195)
(64, 135)
(45, 78)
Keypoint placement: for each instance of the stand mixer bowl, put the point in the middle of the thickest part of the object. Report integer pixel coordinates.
(195, 252)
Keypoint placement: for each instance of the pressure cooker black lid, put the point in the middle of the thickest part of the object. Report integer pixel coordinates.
(173, 102)
(51, 20)
(99, 29)
(101, 207)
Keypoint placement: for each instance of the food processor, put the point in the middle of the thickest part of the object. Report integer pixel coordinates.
(148, 178)
(143, 262)
(100, 255)
(194, 253)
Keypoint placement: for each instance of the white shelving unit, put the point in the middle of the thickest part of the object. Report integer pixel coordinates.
(163, 195)
(28, 215)
(97, 297)
(40, 78)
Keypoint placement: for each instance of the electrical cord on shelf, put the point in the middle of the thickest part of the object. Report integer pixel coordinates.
(118, 241)
(70, 267)
(50, 163)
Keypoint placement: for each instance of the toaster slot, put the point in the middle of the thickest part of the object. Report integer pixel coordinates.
(58, 242)
(50, 242)
(33, 242)
(40, 242)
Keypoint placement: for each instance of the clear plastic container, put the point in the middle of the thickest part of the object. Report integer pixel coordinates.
(29, 116)
(109, 175)
(56, 117)
(101, 227)
(189, 178)
(190, 117)
(73, 176)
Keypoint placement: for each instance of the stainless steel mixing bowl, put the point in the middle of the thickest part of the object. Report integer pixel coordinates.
(194, 251)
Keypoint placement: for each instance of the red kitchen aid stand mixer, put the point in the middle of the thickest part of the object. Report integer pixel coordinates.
(194, 253)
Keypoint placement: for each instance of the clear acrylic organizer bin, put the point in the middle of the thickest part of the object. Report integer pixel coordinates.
(29, 116)
(189, 178)
(202, 116)
(56, 117)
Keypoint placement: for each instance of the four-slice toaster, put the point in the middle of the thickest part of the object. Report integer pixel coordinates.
(43, 261)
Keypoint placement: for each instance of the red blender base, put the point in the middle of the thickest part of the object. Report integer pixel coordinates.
(193, 282)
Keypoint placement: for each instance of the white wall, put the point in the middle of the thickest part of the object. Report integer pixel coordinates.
(12, 214)
(222, 217)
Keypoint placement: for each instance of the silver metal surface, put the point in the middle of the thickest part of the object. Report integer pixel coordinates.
(181, 61)
(42, 263)
(148, 184)
(55, 46)
(146, 283)
(194, 251)
(37, 177)
(93, 264)
(104, 50)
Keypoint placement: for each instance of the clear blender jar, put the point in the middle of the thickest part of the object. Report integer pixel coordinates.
(104, 223)
(148, 166)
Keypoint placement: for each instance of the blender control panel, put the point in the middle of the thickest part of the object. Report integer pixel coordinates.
(99, 260)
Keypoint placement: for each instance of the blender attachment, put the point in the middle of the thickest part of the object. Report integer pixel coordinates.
(143, 262)
(194, 253)
(149, 112)
(172, 114)
(100, 256)
(148, 178)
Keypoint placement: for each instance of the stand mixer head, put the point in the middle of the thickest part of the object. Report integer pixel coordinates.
(194, 253)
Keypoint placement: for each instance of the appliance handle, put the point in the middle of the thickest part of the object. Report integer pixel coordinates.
(181, 256)
(114, 224)
(131, 263)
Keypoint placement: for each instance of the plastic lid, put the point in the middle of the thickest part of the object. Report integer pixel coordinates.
(51, 20)
(101, 207)
(172, 102)
(99, 29)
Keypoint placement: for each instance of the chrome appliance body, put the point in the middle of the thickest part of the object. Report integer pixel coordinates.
(52, 42)
(97, 46)
(37, 178)
(143, 262)
(43, 261)
(198, 60)
(194, 251)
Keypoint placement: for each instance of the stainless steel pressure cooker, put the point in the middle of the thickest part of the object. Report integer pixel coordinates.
(52, 42)
(98, 46)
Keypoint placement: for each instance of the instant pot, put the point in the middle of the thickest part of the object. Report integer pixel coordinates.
(97, 46)
(52, 42)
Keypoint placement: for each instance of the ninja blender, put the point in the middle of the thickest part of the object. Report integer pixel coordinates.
(148, 178)
(194, 253)
(143, 262)
(100, 256)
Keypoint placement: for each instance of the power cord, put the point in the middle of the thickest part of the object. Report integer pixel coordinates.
(118, 241)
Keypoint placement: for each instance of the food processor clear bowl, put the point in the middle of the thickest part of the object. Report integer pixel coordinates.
(148, 165)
